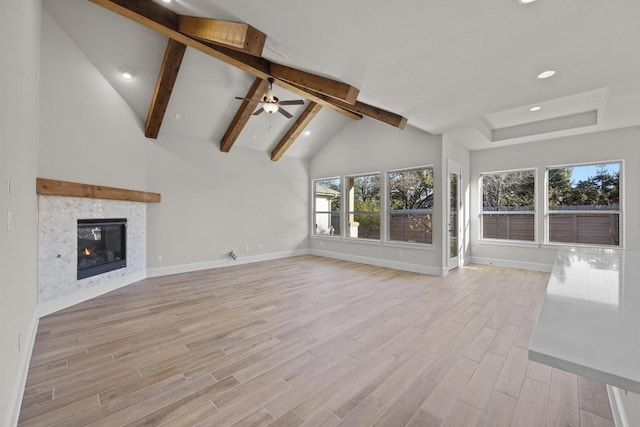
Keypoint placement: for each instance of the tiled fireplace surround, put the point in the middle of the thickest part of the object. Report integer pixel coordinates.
(57, 258)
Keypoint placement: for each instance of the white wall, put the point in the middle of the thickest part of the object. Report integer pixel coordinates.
(19, 75)
(603, 146)
(213, 202)
(369, 146)
(88, 133)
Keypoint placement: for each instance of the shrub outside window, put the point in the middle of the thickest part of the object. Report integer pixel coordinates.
(508, 205)
(583, 203)
(411, 205)
(363, 206)
(327, 207)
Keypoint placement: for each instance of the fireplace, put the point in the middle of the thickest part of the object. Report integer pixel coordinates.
(102, 246)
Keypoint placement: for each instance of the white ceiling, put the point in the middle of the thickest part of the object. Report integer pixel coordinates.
(463, 68)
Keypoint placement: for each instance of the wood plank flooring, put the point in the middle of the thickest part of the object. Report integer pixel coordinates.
(306, 341)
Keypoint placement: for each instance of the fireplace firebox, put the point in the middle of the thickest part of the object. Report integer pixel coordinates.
(102, 246)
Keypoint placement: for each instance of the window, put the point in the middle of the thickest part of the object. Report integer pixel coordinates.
(508, 205)
(363, 205)
(583, 203)
(411, 205)
(326, 196)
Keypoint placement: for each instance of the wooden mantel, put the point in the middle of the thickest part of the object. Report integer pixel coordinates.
(52, 187)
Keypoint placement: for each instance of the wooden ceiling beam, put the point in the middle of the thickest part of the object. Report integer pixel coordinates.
(388, 117)
(164, 87)
(234, 35)
(292, 134)
(331, 88)
(243, 114)
(165, 21)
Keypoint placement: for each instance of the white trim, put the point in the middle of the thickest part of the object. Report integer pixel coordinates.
(376, 242)
(227, 262)
(12, 417)
(48, 307)
(504, 242)
(512, 264)
(617, 409)
(405, 266)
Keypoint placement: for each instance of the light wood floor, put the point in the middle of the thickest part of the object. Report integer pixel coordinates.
(306, 341)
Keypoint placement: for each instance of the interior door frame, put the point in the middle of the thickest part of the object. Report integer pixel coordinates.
(454, 262)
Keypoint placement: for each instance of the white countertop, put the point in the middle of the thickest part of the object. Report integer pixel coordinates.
(589, 323)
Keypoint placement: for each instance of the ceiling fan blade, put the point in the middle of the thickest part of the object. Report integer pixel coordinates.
(285, 113)
(243, 99)
(292, 102)
(258, 111)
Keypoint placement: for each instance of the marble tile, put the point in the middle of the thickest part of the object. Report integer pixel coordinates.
(57, 247)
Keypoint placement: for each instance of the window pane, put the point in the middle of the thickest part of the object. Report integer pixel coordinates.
(508, 203)
(368, 225)
(326, 195)
(585, 187)
(364, 206)
(411, 203)
(580, 201)
(508, 191)
(410, 227)
(596, 229)
(508, 226)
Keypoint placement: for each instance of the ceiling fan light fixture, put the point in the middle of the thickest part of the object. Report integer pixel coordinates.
(270, 107)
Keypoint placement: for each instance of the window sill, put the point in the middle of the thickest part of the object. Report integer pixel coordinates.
(371, 242)
(558, 245)
(514, 243)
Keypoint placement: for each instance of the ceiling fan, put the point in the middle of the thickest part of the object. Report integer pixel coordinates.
(271, 104)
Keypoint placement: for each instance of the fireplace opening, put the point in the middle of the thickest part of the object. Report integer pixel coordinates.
(102, 246)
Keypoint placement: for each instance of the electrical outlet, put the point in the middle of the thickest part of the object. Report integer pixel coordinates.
(260, 246)
(159, 258)
(8, 188)
(246, 248)
(9, 219)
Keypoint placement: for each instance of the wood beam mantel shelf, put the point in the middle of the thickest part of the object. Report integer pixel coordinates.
(52, 187)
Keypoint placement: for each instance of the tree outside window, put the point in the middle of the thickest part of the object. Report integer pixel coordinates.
(364, 206)
(508, 205)
(584, 204)
(411, 205)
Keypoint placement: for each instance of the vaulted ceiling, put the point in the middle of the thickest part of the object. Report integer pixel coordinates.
(464, 69)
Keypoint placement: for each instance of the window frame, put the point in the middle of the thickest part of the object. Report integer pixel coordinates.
(388, 212)
(349, 211)
(620, 211)
(482, 212)
(315, 211)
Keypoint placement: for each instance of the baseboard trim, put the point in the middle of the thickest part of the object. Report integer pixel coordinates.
(29, 342)
(512, 264)
(48, 307)
(227, 262)
(405, 266)
(617, 409)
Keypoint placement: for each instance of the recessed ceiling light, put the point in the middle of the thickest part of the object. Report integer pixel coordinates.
(536, 108)
(546, 74)
(166, 1)
(126, 73)
(525, 1)
(307, 133)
